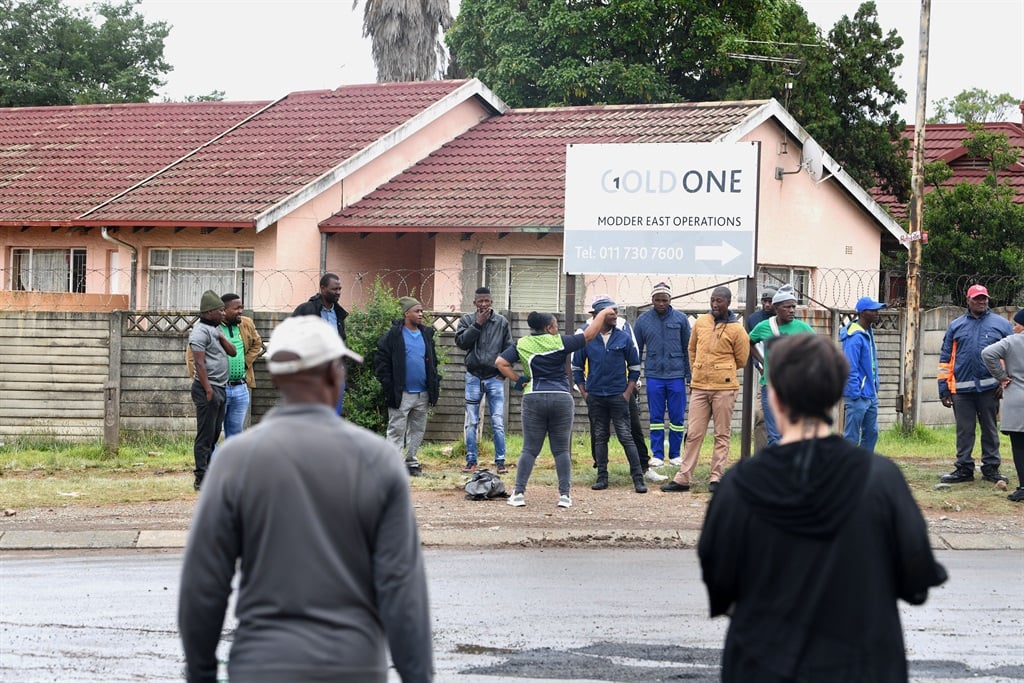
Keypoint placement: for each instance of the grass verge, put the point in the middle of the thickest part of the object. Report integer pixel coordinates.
(43, 473)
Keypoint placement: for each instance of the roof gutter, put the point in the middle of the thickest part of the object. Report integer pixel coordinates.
(135, 262)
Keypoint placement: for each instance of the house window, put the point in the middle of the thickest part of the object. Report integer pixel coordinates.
(524, 284)
(48, 270)
(775, 277)
(178, 277)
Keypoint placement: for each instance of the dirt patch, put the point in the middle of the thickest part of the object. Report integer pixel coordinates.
(594, 513)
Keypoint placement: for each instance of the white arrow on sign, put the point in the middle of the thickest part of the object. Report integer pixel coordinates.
(724, 253)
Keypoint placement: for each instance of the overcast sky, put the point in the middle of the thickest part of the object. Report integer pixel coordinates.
(262, 49)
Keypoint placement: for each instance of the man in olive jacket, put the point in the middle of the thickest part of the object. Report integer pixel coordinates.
(406, 365)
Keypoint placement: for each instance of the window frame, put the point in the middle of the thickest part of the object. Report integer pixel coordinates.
(76, 259)
(241, 279)
(504, 301)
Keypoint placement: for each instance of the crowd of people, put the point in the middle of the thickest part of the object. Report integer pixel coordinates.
(812, 506)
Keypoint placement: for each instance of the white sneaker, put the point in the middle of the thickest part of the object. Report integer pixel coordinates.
(675, 462)
(657, 462)
(517, 500)
(564, 501)
(654, 477)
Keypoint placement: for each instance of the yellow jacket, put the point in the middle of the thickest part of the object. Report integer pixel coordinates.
(253, 343)
(718, 350)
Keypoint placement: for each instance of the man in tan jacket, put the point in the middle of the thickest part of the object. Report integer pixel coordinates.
(719, 347)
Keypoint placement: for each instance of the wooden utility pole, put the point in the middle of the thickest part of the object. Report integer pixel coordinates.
(913, 309)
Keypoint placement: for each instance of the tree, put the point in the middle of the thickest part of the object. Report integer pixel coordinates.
(550, 53)
(406, 37)
(976, 229)
(51, 54)
(537, 53)
(974, 106)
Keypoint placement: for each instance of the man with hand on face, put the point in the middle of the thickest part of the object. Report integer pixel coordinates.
(325, 304)
(966, 386)
(606, 371)
(483, 335)
(210, 351)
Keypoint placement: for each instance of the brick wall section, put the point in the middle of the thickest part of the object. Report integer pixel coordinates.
(54, 367)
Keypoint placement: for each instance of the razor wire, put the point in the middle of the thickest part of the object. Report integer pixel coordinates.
(448, 290)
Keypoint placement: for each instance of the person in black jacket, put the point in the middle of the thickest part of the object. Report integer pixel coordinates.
(325, 304)
(808, 545)
(406, 365)
(484, 334)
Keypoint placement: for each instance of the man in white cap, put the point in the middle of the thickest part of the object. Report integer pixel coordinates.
(783, 322)
(317, 515)
(966, 386)
(860, 395)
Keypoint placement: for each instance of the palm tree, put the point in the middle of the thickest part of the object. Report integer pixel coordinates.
(406, 37)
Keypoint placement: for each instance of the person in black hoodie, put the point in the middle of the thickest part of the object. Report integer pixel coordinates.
(809, 544)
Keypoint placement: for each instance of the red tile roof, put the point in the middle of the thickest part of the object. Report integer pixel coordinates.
(508, 172)
(945, 141)
(63, 163)
(58, 162)
(277, 153)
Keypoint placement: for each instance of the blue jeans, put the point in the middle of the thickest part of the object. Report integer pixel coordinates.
(667, 394)
(861, 426)
(494, 388)
(236, 408)
(546, 414)
(770, 425)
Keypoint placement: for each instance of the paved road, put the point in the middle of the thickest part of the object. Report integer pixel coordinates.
(524, 615)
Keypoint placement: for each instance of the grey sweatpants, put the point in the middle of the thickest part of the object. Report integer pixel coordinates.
(407, 424)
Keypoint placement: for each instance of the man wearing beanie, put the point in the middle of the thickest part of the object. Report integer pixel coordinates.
(663, 337)
(210, 351)
(783, 322)
(966, 386)
(406, 365)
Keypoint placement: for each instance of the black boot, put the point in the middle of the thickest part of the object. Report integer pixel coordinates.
(602, 481)
(638, 484)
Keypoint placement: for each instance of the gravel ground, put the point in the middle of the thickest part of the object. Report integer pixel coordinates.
(617, 508)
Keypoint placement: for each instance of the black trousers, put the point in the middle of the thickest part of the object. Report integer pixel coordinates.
(614, 409)
(209, 422)
(976, 408)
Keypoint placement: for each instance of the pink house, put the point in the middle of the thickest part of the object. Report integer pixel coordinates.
(437, 187)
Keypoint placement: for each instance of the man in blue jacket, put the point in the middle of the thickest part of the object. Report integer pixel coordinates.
(860, 395)
(966, 386)
(606, 371)
(663, 337)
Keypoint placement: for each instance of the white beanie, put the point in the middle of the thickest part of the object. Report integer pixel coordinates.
(785, 293)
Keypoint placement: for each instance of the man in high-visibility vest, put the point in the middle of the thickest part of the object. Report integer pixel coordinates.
(966, 386)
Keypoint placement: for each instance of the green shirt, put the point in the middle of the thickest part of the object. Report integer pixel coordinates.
(236, 363)
(763, 330)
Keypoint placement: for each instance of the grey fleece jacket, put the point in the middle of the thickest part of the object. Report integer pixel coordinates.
(318, 512)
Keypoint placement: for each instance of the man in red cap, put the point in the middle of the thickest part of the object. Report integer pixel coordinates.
(966, 386)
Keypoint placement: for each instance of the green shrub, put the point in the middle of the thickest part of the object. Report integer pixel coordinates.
(364, 399)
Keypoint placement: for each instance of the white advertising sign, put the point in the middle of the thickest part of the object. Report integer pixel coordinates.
(679, 208)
